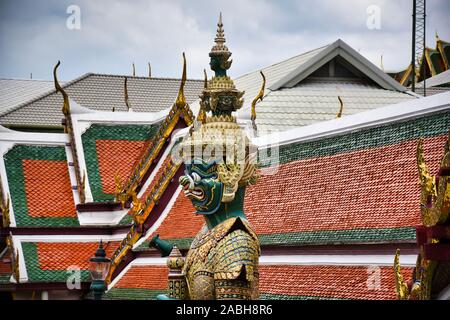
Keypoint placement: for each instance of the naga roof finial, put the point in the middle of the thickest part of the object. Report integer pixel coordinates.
(181, 99)
(341, 108)
(259, 97)
(65, 108)
(127, 103)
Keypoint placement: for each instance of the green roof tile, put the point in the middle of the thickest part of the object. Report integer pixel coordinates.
(433, 125)
(132, 294)
(16, 181)
(37, 274)
(109, 132)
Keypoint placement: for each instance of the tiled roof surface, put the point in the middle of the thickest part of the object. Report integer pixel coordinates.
(15, 92)
(144, 277)
(103, 92)
(359, 187)
(40, 176)
(280, 282)
(116, 157)
(180, 226)
(369, 189)
(181, 222)
(109, 149)
(40, 187)
(313, 101)
(140, 283)
(50, 261)
(330, 282)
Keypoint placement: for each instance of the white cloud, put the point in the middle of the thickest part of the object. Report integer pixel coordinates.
(115, 33)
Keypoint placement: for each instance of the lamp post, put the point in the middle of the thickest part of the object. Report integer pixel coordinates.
(99, 268)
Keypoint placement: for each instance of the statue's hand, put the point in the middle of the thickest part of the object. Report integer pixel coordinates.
(164, 297)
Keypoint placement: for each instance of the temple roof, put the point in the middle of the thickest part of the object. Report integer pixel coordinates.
(16, 92)
(51, 261)
(100, 92)
(303, 89)
(345, 174)
(293, 281)
(315, 100)
(433, 63)
(441, 79)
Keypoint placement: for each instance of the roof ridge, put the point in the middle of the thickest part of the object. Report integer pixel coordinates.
(23, 79)
(67, 84)
(142, 77)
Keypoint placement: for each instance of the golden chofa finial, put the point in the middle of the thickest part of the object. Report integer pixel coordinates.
(66, 107)
(127, 103)
(259, 97)
(181, 99)
(436, 36)
(341, 108)
(400, 285)
(205, 79)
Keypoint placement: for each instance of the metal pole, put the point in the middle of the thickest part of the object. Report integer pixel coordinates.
(413, 53)
(424, 48)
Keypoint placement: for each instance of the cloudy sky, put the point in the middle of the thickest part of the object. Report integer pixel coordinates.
(112, 34)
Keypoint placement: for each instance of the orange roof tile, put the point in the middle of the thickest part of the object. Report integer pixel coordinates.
(372, 188)
(347, 282)
(117, 156)
(181, 222)
(144, 277)
(48, 189)
(61, 255)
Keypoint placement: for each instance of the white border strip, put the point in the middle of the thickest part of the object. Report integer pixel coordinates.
(339, 260)
(70, 238)
(295, 260)
(393, 113)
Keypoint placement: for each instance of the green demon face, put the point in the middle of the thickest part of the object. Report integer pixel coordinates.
(202, 187)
